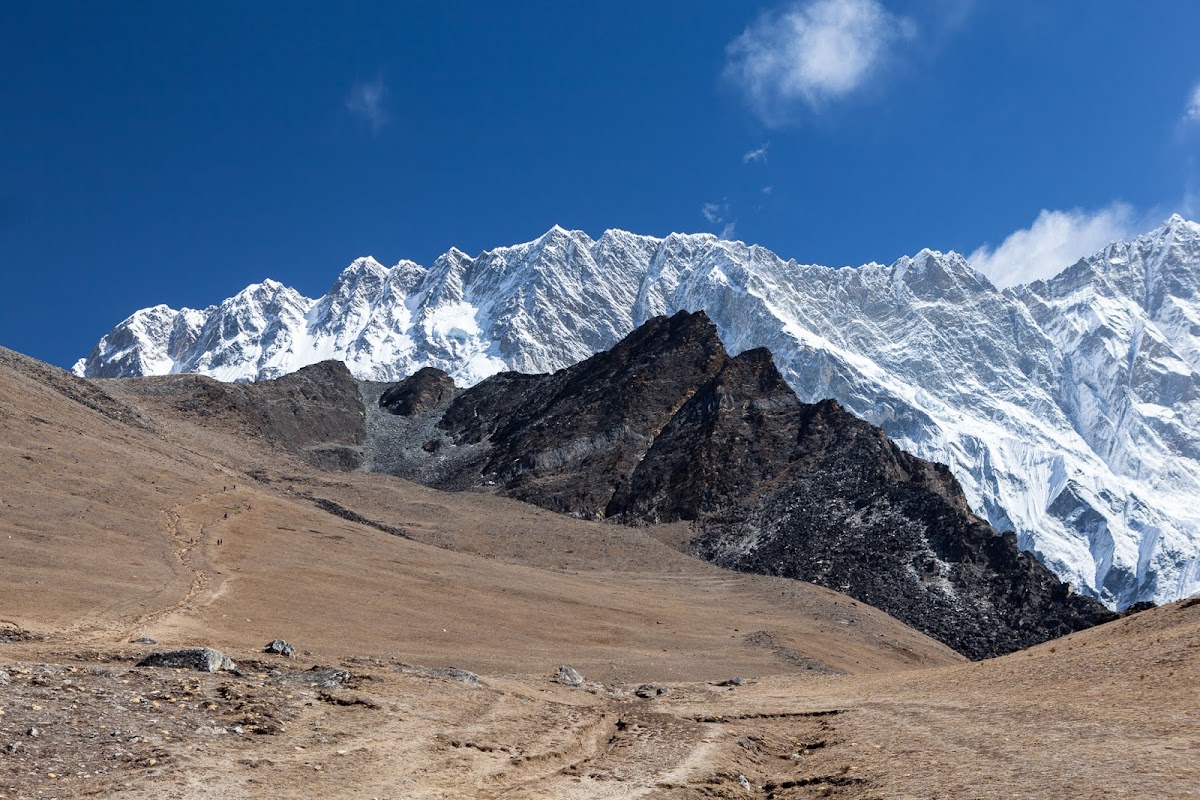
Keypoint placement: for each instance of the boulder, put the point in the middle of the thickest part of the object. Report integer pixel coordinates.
(201, 659)
(569, 676)
(280, 647)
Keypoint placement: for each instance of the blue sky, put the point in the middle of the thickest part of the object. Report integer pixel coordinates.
(156, 152)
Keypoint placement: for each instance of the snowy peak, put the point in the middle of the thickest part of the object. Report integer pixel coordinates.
(149, 342)
(1069, 409)
(361, 271)
(940, 276)
(1163, 258)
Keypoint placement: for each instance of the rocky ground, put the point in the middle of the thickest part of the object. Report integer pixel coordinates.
(1064, 720)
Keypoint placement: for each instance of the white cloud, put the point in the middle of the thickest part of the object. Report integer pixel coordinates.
(757, 154)
(366, 102)
(812, 53)
(729, 230)
(1192, 114)
(1055, 241)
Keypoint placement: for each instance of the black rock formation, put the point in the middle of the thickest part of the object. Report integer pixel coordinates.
(667, 426)
(426, 389)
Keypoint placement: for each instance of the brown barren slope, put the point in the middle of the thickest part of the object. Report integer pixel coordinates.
(111, 509)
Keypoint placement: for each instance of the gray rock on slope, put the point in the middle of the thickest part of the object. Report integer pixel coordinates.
(568, 676)
(280, 647)
(201, 659)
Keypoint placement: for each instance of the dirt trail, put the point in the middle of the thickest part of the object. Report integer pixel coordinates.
(194, 529)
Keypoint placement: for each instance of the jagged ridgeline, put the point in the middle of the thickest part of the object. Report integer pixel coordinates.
(666, 426)
(1068, 409)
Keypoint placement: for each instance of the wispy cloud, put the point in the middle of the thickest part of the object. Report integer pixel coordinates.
(366, 101)
(1192, 114)
(812, 53)
(757, 154)
(715, 212)
(719, 214)
(1055, 241)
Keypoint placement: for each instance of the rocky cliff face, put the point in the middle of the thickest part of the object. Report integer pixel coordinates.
(668, 426)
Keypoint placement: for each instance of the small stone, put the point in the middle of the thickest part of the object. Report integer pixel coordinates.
(569, 676)
(144, 640)
(280, 647)
(34, 732)
(736, 680)
(648, 691)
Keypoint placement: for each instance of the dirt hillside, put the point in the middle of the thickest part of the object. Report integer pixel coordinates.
(122, 519)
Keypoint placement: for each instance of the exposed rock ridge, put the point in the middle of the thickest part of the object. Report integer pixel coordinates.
(316, 412)
(667, 426)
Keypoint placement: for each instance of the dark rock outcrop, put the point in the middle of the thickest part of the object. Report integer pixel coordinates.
(667, 426)
(426, 389)
(316, 412)
(201, 659)
(569, 440)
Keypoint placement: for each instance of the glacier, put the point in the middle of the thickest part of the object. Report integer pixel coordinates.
(1069, 409)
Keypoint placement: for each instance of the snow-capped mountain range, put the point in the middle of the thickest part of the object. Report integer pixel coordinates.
(1069, 409)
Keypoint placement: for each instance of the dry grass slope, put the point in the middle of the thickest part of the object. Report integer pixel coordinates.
(120, 518)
